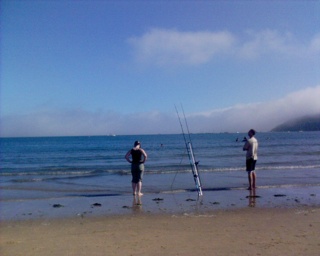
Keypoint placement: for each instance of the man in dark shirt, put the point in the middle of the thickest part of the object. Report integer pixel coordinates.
(137, 160)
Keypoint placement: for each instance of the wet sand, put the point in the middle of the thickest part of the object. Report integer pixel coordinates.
(278, 220)
(174, 202)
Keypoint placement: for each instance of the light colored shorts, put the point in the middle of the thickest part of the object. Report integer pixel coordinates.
(137, 172)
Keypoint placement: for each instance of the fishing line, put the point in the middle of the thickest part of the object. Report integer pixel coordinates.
(183, 133)
(174, 178)
(185, 120)
(185, 140)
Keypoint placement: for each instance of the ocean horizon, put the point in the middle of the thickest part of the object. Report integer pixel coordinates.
(48, 170)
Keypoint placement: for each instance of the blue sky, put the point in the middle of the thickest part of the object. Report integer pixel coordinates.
(120, 67)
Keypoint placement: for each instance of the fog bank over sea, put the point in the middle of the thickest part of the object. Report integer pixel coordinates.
(263, 116)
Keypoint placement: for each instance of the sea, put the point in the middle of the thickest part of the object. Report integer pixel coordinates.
(64, 160)
(47, 168)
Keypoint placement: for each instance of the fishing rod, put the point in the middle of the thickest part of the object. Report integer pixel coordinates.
(186, 123)
(189, 147)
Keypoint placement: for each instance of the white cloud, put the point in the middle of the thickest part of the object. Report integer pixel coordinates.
(164, 47)
(171, 47)
(315, 44)
(261, 116)
(258, 43)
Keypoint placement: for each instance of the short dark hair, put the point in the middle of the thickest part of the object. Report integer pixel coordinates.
(252, 131)
(136, 143)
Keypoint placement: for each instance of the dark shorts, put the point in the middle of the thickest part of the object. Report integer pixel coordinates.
(137, 172)
(250, 164)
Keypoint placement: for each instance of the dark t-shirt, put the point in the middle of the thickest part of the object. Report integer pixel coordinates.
(136, 156)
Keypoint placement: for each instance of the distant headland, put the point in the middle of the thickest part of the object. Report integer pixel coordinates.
(306, 123)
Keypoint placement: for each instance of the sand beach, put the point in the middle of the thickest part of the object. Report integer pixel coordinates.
(273, 221)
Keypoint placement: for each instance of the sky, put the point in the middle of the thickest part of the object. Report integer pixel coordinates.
(71, 68)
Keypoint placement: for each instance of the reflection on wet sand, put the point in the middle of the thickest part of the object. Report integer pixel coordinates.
(252, 198)
(137, 204)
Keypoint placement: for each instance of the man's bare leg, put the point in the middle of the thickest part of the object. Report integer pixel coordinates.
(252, 180)
(134, 188)
(139, 187)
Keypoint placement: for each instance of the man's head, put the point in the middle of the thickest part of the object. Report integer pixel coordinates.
(251, 133)
(136, 143)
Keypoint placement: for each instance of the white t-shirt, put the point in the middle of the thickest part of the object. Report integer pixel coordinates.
(252, 148)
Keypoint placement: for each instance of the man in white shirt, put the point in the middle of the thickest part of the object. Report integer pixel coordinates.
(251, 146)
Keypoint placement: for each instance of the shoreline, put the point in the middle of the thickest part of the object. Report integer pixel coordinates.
(170, 202)
(277, 220)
